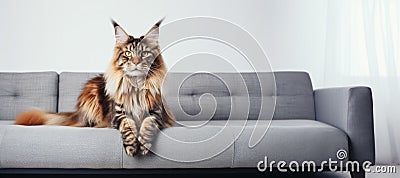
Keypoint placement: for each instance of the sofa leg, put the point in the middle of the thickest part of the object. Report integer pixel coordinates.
(360, 174)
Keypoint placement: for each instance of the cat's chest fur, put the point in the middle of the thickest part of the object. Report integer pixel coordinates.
(135, 104)
(132, 93)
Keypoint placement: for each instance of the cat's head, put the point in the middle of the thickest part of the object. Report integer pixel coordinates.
(137, 57)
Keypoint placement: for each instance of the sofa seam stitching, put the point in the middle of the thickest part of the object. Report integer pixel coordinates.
(347, 120)
(233, 153)
(122, 157)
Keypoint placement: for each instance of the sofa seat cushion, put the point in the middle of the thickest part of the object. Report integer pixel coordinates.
(202, 144)
(182, 147)
(290, 140)
(71, 147)
(59, 147)
(286, 140)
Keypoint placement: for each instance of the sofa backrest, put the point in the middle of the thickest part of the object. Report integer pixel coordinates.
(70, 87)
(294, 94)
(23, 91)
(52, 92)
(294, 98)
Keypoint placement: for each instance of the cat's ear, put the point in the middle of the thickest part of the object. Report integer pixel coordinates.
(120, 35)
(153, 33)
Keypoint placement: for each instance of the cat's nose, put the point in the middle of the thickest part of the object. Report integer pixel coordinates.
(135, 60)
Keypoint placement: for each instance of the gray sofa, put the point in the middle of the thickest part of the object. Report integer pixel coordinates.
(307, 124)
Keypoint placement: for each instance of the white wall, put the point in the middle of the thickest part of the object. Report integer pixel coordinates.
(72, 35)
(77, 35)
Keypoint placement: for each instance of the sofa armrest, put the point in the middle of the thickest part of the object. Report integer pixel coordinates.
(349, 109)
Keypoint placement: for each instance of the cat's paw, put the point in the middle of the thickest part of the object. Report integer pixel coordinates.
(130, 150)
(145, 149)
(144, 146)
(131, 145)
(129, 139)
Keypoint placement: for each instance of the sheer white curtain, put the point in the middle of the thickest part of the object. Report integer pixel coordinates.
(363, 48)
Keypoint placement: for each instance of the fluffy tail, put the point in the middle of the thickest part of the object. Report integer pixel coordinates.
(38, 117)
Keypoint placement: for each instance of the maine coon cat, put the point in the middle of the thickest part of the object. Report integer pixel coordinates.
(126, 97)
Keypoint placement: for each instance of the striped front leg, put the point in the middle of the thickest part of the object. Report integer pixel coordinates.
(148, 131)
(128, 130)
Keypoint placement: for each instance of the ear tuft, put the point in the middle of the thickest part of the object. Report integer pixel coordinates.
(159, 22)
(120, 35)
(153, 33)
(114, 23)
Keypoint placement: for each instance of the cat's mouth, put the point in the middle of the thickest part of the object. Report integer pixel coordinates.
(135, 73)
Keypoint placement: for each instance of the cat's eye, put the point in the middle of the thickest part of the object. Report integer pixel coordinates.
(128, 54)
(145, 54)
